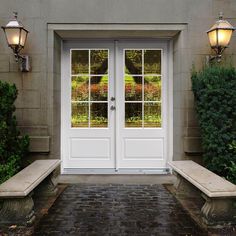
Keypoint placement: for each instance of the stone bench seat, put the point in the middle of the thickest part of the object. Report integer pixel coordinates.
(16, 193)
(219, 194)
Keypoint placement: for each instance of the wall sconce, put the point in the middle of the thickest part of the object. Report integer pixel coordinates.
(219, 36)
(16, 36)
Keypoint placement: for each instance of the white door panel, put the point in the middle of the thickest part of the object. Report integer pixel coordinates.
(100, 150)
(143, 148)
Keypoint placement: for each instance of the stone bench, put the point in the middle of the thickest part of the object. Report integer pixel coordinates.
(218, 193)
(17, 205)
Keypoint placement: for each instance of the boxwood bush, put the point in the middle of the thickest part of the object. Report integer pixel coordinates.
(214, 89)
(12, 147)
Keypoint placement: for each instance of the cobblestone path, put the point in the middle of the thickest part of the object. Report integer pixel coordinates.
(102, 210)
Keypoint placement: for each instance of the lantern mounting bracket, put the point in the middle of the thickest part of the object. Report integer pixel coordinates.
(211, 58)
(24, 62)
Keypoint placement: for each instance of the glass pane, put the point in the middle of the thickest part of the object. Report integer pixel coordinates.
(133, 62)
(152, 88)
(79, 88)
(152, 62)
(80, 62)
(80, 115)
(12, 35)
(152, 114)
(99, 88)
(133, 88)
(133, 115)
(213, 38)
(224, 37)
(98, 117)
(99, 62)
(23, 37)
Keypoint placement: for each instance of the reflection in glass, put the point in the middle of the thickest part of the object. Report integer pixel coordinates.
(133, 88)
(152, 88)
(98, 117)
(133, 62)
(79, 88)
(99, 62)
(152, 115)
(133, 115)
(80, 62)
(99, 88)
(152, 61)
(80, 114)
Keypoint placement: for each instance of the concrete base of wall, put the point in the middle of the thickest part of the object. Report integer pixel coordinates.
(192, 145)
(117, 179)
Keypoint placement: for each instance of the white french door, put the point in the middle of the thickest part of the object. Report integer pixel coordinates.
(141, 108)
(114, 106)
(87, 122)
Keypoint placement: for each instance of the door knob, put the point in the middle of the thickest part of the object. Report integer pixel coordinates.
(113, 99)
(113, 108)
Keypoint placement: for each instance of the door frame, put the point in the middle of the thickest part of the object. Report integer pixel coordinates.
(169, 104)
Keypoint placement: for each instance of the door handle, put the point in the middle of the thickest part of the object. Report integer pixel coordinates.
(112, 108)
(113, 99)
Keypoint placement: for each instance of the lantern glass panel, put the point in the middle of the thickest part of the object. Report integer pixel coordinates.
(224, 37)
(13, 36)
(213, 38)
(23, 37)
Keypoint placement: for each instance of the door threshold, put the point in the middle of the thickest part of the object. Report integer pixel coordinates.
(124, 179)
(121, 171)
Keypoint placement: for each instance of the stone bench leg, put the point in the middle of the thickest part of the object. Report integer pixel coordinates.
(48, 187)
(183, 188)
(217, 210)
(17, 211)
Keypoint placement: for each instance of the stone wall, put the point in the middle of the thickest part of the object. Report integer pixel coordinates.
(38, 102)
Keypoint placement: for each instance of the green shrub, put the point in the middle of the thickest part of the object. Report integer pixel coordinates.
(215, 95)
(12, 147)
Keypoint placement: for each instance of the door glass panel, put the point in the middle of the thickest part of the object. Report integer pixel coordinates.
(133, 62)
(152, 88)
(89, 88)
(80, 88)
(99, 88)
(133, 88)
(99, 62)
(80, 114)
(80, 62)
(133, 115)
(152, 61)
(152, 115)
(98, 115)
(143, 84)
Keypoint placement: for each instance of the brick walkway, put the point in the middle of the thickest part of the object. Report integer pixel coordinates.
(117, 210)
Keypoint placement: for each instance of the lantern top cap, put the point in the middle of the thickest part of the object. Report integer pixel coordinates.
(221, 24)
(14, 23)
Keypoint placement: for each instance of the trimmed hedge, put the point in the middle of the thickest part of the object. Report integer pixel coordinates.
(12, 147)
(214, 89)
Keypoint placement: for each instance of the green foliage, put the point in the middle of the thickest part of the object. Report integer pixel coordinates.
(231, 176)
(215, 95)
(12, 147)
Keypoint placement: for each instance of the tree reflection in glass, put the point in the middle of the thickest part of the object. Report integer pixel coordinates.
(89, 88)
(143, 83)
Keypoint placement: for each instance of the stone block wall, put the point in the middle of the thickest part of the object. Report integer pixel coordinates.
(38, 102)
